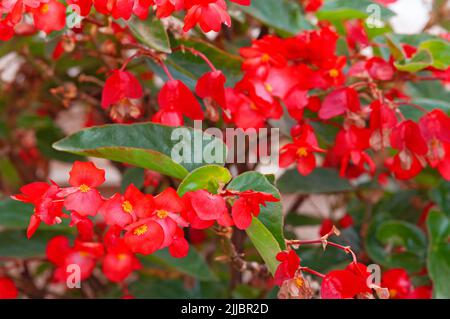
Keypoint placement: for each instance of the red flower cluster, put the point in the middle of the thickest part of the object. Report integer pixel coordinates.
(8, 289)
(128, 223)
(50, 15)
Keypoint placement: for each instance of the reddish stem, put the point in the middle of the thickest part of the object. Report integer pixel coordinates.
(196, 53)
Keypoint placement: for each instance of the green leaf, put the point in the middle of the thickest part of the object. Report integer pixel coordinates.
(271, 215)
(265, 243)
(439, 50)
(209, 177)
(441, 196)
(193, 264)
(421, 60)
(283, 15)
(384, 236)
(439, 254)
(295, 219)
(132, 175)
(150, 32)
(333, 10)
(156, 288)
(410, 112)
(146, 145)
(321, 180)
(14, 243)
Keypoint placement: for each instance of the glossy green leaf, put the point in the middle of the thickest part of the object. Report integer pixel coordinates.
(421, 60)
(133, 175)
(265, 243)
(321, 180)
(150, 32)
(146, 145)
(209, 177)
(193, 264)
(283, 15)
(439, 50)
(271, 215)
(439, 253)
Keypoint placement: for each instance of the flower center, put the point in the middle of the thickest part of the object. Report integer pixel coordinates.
(253, 106)
(268, 87)
(44, 9)
(265, 57)
(121, 256)
(302, 152)
(127, 207)
(162, 213)
(299, 282)
(84, 188)
(333, 73)
(392, 293)
(141, 230)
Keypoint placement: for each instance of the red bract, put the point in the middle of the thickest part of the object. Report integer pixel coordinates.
(346, 221)
(175, 100)
(120, 87)
(57, 249)
(82, 197)
(356, 34)
(339, 102)
(408, 139)
(208, 14)
(123, 210)
(301, 151)
(48, 207)
(313, 5)
(82, 7)
(242, 111)
(247, 206)
(398, 283)
(211, 87)
(8, 289)
(263, 53)
(165, 8)
(326, 227)
(289, 264)
(382, 121)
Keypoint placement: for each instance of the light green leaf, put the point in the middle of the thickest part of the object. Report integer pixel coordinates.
(209, 177)
(150, 32)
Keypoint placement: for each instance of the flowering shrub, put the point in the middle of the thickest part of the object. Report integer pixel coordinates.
(358, 116)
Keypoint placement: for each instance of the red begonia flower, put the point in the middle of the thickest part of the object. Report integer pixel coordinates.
(301, 151)
(422, 292)
(356, 34)
(242, 111)
(165, 8)
(289, 263)
(211, 86)
(82, 197)
(313, 5)
(379, 69)
(339, 102)
(81, 7)
(85, 226)
(48, 207)
(57, 249)
(247, 206)
(179, 248)
(176, 97)
(346, 221)
(144, 237)
(119, 262)
(121, 85)
(398, 283)
(382, 120)
(8, 289)
(125, 209)
(342, 284)
(6, 30)
(208, 14)
(264, 52)
(326, 227)
(50, 16)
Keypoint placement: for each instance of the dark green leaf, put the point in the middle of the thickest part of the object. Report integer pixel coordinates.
(439, 254)
(321, 180)
(150, 32)
(146, 145)
(133, 175)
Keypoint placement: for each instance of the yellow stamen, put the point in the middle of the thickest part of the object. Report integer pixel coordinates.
(162, 213)
(141, 230)
(121, 256)
(392, 293)
(265, 57)
(127, 207)
(44, 9)
(302, 152)
(268, 87)
(333, 73)
(299, 282)
(253, 106)
(84, 188)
